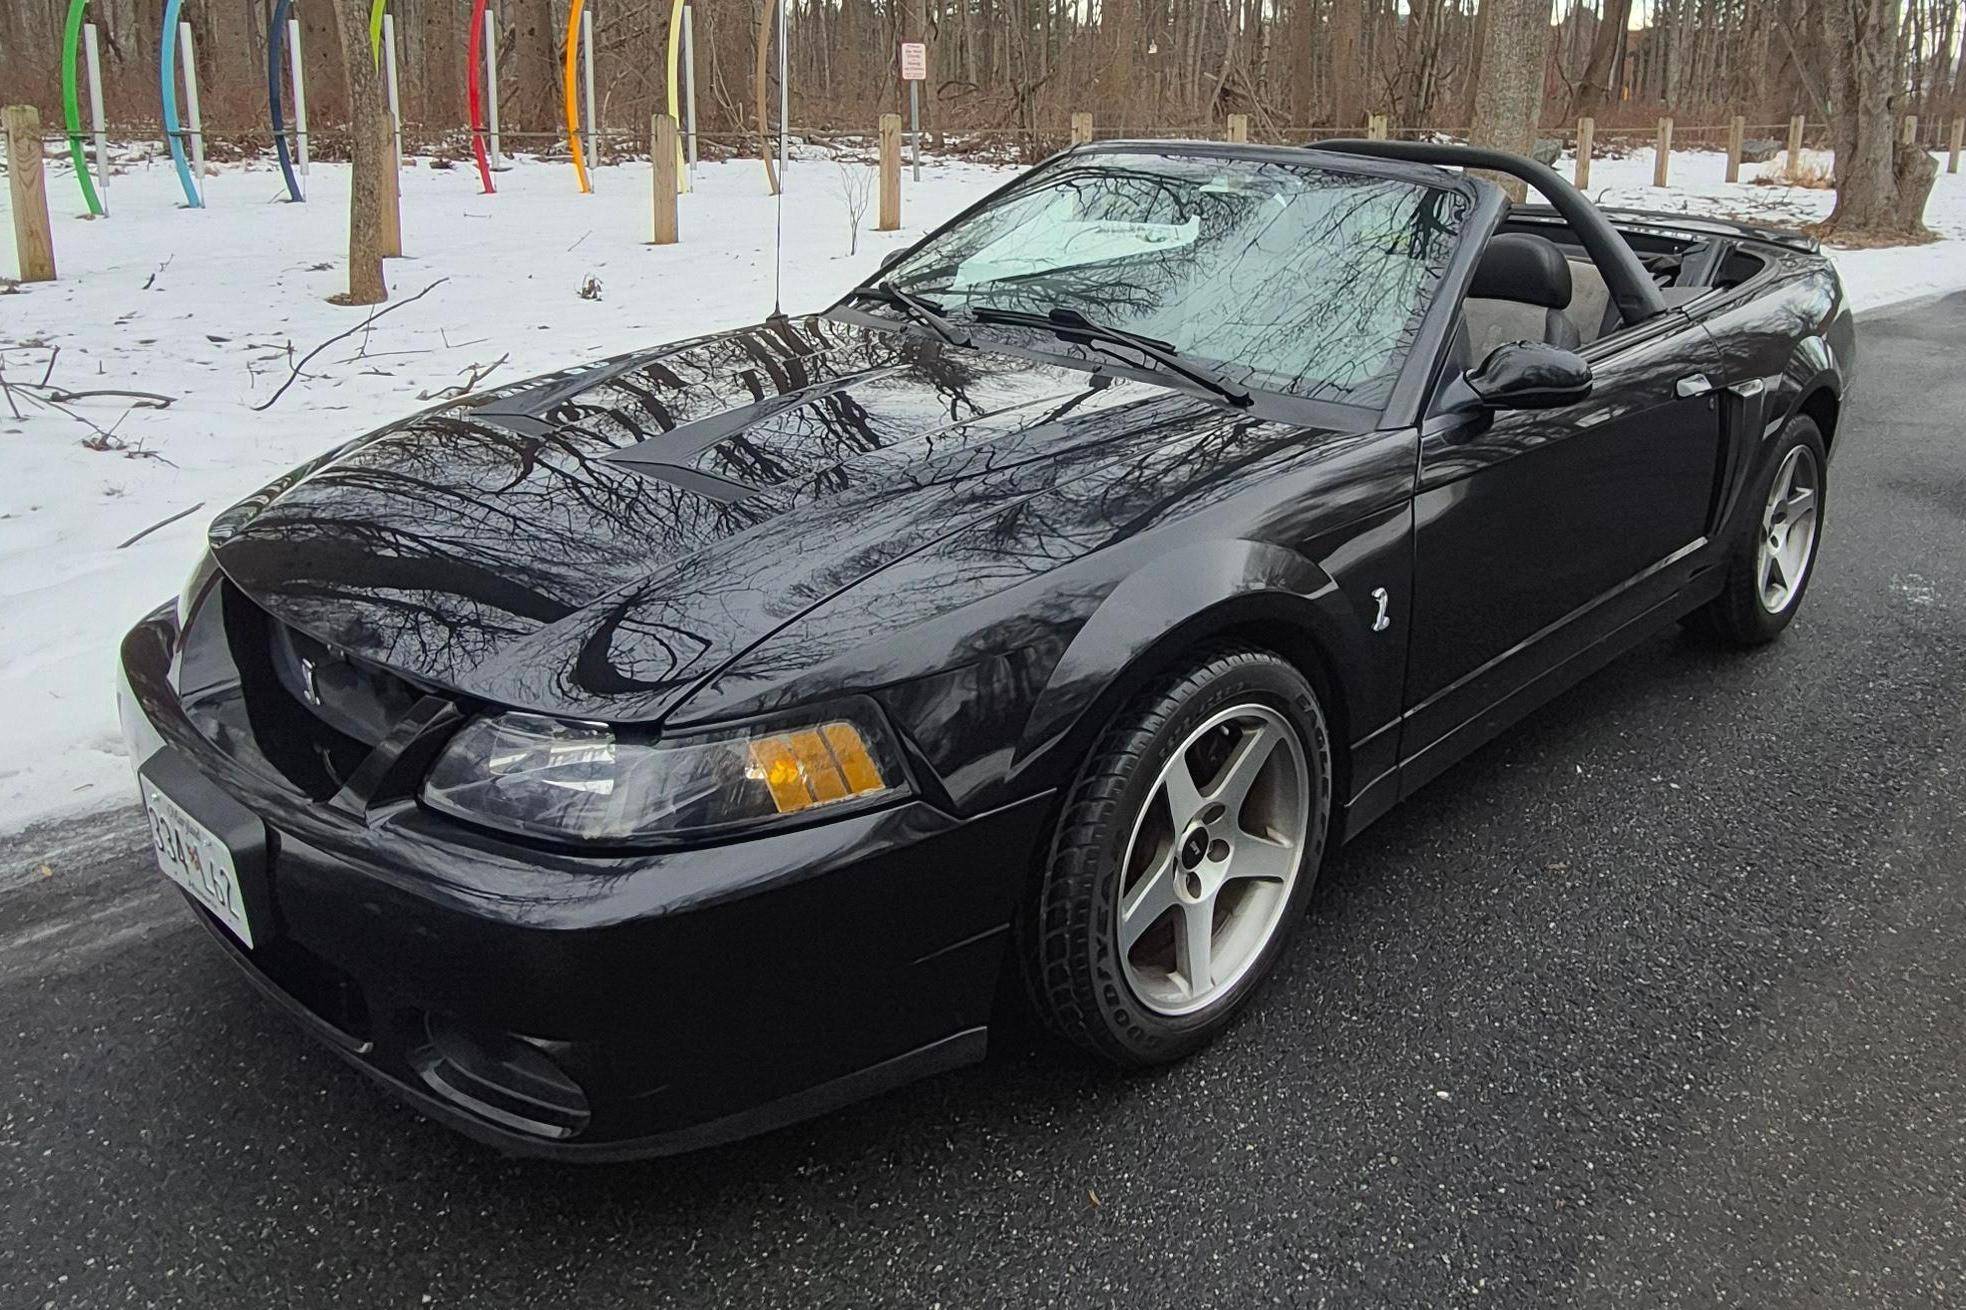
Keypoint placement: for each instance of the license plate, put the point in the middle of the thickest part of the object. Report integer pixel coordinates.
(194, 858)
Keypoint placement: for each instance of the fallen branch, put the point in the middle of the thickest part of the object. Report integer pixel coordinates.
(162, 523)
(293, 377)
(384, 354)
(62, 395)
(105, 437)
(477, 374)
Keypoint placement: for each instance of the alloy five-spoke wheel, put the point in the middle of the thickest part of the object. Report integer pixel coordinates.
(1788, 530)
(1213, 856)
(1770, 559)
(1184, 855)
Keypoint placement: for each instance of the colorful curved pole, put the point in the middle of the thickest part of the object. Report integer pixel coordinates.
(474, 63)
(276, 33)
(375, 30)
(167, 88)
(675, 63)
(573, 103)
(71, 37)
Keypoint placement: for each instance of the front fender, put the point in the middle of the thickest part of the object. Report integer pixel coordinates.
(1785, 345)
(1315, 608)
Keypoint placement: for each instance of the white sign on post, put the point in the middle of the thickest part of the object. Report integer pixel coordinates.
(914, 71)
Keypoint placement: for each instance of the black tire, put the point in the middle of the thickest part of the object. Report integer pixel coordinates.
(1738, 616)
(1068, 933)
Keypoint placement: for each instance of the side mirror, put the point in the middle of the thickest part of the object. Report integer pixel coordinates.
(891, 258)
(1530, 375)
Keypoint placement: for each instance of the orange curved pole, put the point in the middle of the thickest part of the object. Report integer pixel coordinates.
(573, 102)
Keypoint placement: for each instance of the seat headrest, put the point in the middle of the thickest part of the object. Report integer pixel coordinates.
(1526, 269)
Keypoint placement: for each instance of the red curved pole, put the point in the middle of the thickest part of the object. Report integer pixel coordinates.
(474, 64)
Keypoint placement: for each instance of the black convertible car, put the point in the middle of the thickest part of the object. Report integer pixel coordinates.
(661, 750)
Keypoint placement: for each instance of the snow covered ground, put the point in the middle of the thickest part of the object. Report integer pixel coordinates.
(1873, 277)
(214, 307)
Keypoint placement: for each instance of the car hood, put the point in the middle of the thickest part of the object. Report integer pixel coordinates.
(597, 542)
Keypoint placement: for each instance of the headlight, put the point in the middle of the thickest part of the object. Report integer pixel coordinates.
(195, 586)
(546, 777)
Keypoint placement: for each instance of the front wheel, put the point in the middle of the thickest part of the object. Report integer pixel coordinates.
(1768, 570)
(1185, 854)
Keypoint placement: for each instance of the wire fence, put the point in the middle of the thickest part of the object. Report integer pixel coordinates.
(601, 143)
(331, 142)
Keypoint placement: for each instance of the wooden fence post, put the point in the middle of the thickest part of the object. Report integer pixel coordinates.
(1586, 136)
(1375, 127)
(1662, 152)
(1081, 128)
(1795, 142)
(392, 207)
(1238, 127)
(890, 173)
(663, 152)
(1958, 138)
(1736, 130)
(34, 240)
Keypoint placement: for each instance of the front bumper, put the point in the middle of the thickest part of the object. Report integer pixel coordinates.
(602, 1007)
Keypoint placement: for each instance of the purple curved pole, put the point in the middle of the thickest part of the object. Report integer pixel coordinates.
(276, 39)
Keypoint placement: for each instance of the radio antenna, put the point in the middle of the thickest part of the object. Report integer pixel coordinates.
(778, 248)
(778, 220)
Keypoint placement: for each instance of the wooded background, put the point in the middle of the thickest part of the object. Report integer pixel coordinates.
(1015, 70)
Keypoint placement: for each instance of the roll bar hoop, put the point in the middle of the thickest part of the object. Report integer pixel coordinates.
(1631, 287)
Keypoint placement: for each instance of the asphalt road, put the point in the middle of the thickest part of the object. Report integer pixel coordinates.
(1660, 1000)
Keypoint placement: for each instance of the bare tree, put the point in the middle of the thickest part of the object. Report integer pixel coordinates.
(1348, 90)
(1594, 87)
(1881, 182)
(763, 16)
(372, 154)
(1005, 76)
(1509, 96)
(531, 45)
(856, 181)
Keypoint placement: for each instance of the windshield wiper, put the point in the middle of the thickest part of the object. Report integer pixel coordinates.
(1070, 325)
(914, 308)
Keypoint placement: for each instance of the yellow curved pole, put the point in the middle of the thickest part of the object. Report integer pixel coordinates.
(675, 79)
(573, 103)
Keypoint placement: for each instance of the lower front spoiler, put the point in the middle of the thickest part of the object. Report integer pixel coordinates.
(951, 1052)
(608, 1005)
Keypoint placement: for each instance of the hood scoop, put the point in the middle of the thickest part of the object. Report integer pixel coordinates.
(605, 537)
(673, 452)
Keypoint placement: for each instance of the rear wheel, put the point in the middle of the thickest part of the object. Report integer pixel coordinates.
(1769, 568)
(1185, 853)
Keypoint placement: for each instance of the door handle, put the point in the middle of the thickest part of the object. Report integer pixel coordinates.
(1693, 384)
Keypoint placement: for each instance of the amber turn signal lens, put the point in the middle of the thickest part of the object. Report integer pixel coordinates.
(815, 766)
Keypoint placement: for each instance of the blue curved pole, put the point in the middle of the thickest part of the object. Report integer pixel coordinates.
(276, 39)
(167, 76)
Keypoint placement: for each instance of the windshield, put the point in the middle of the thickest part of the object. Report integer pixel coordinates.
(1287, 276)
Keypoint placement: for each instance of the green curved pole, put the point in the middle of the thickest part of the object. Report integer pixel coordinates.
(71, 111)
(375, 30)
